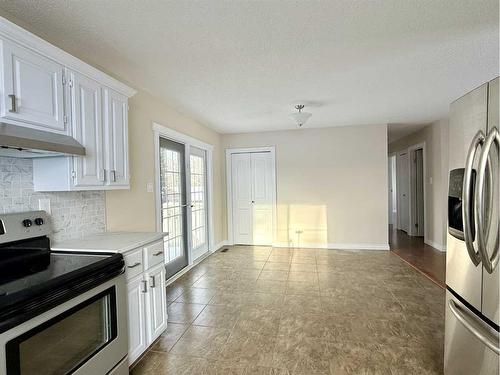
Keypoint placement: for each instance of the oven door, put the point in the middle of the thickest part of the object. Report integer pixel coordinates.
(85, 335)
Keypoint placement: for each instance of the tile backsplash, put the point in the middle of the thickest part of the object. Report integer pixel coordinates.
(73, 214)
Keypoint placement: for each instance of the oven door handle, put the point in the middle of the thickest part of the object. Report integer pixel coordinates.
(467, 201)
(487, 337)
(489, 262)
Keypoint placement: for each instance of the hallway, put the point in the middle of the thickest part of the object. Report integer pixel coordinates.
(426, 259)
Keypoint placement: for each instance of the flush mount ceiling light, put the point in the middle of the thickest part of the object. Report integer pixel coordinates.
(299, 116)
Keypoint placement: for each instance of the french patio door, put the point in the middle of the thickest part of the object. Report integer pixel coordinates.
(173, 205)
(198, 206)
(184, 206)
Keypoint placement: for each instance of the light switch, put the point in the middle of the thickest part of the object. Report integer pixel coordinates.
(149, 187)
(44, 205)
(430, 180)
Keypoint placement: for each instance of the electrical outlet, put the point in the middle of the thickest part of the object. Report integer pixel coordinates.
(44, 205)
(149, 187)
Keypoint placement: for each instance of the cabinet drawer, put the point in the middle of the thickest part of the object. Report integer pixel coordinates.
(154, 254)
(133, 263)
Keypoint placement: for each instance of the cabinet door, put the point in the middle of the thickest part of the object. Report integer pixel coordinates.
(116, 130)
(157, 302)
(136, 318)
(32, 89)
(86, 117)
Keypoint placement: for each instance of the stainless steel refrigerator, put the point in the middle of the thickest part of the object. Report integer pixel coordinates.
(472, 271)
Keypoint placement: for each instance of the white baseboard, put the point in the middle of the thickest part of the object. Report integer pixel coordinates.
(436, 245)
(337, 246)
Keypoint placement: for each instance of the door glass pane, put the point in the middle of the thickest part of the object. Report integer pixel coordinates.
(197, 163)
(173, 206)
(66, 343)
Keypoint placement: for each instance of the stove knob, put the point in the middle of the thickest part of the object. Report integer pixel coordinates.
(27, 223)
(39, 221)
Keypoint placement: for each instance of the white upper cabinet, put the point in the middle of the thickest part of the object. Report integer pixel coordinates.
(45, 88)
(87, 128)
(116, 138)
(33, 92)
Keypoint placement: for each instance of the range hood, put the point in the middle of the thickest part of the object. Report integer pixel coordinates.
(21, 142)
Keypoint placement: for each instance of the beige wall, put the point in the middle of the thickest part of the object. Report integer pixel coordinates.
(134, 209)
(435, 137)
(331, 184)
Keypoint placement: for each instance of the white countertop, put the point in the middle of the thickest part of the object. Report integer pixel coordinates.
(109, 242)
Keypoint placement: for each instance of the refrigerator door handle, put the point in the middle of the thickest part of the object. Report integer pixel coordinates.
(478, 140)
(489, 262)
(487, 337)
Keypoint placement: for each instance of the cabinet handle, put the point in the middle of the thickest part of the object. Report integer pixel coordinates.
(134, 265)
(13, 104)
(153, 281)
(103, 174)
(113, 175)
(144, 286)
(158, 253)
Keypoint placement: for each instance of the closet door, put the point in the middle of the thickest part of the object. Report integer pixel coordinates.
(262, 201)
(242, 198)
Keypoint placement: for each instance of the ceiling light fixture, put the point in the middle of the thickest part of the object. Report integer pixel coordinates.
(299, 116)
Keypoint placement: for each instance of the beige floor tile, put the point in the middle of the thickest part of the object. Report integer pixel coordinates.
(336, 312)
(201, 296)
(168, 338)
(204, 342)
(302, 276)
(274, 275)
(218, 316)
(277, 266)
(179, 312)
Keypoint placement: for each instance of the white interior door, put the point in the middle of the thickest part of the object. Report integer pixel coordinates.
(199, 201)
(241, 173)
(252, 198)
(262, 201)
(403, 191)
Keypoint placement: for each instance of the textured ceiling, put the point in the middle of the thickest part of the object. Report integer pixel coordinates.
(241, 66)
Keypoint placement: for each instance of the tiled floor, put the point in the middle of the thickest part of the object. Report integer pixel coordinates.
(258, 310)
(423, 257)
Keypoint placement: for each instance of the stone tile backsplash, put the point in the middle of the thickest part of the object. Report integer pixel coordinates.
(73, 214)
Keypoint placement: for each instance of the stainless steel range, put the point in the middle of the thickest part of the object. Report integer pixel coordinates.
(60, 313)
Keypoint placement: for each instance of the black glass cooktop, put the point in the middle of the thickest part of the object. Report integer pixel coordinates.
(36, 279)
(60, 264)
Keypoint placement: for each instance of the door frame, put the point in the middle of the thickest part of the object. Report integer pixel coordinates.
(168, 133)
(411, 195)
(394, 178)
(398, 187)
(229, 190)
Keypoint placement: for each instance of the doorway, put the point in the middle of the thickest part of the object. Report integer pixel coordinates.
(393, 205)
(184, 198)
(403, 178)
(417, 193)
(251, 196)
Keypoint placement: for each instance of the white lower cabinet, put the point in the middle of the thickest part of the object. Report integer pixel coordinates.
(137, 339)
(156, 305)
(147, 300)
